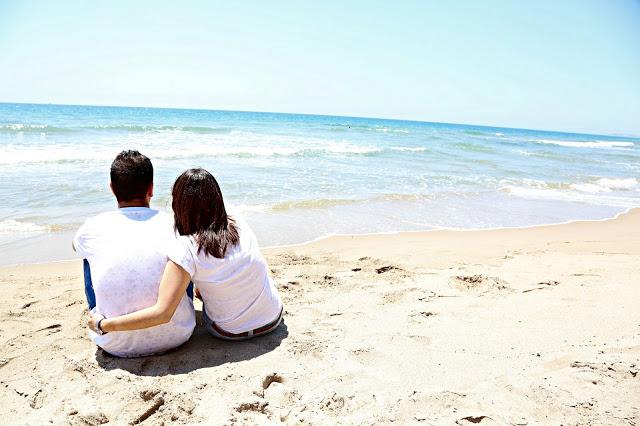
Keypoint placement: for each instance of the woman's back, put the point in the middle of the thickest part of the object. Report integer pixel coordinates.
(237, 291)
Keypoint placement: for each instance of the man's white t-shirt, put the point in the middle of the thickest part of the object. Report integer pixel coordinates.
(237, 292)
(127, 253)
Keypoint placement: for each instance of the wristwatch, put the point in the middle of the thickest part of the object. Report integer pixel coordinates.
(99, 330)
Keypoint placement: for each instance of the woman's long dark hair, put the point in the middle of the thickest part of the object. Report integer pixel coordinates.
(199, 211)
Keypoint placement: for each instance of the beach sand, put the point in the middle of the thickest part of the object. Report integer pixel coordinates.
(514, 326)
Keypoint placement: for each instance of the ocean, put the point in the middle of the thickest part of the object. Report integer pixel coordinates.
(296, 177)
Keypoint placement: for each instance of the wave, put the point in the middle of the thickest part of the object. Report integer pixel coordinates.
(546, 154)
(586, 144)
(602, 191)
(33, 129)
(476, 133)
(11, 226)
(257, 151)
(18, 128)
(59, 155)
(164, 128)
(324, 203)
(99, 154)
(607, 185)
(405, 197)
(390, 130)
(409, 149)
(74, 156)
(320, 203)
(473, 146)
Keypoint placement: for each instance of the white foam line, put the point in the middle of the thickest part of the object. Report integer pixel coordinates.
(46, 262)
(444, 228)
(439, 228)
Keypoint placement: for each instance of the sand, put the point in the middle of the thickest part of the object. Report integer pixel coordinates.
(522, 326)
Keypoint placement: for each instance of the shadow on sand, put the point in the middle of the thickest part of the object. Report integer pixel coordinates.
(201, 351)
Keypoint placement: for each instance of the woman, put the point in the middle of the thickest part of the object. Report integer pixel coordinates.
(220, 255)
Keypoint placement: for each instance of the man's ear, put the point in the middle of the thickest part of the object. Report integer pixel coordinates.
(150, 190)
(111, 188)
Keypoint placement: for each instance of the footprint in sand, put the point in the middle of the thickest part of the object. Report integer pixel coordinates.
(148, 394)
(480, 284)
(277, 400)
(394, 272)
(276, 391)
(271, 378)
(475, 420)
(383, 269)
(615, 370)
(257, 406)
(327, 281)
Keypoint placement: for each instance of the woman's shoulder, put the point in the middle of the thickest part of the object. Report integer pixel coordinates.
(186, 243)
(241, 223)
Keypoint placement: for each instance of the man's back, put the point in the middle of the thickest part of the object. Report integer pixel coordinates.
(127, 252)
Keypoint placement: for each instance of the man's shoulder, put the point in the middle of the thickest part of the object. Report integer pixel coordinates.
(103, 216)
(97, 220)
(163, 215)
(120, 217)
(137, 213)
(163, 219)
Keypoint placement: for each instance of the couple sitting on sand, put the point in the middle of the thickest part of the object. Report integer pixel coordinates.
(140, 266)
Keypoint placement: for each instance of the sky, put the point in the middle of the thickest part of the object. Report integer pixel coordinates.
(572, 65)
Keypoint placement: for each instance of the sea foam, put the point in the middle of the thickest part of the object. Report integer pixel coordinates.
(607, 185)
(10, 226)
(586, 144)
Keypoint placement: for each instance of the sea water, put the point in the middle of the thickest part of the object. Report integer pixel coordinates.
(300, 177)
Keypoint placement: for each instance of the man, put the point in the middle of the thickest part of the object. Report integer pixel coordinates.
(125, 253)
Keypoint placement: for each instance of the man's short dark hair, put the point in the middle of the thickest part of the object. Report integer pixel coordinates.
(131, 175)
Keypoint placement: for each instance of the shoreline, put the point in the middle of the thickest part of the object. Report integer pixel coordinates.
(365, 234)
(440, 229)
(507, 326)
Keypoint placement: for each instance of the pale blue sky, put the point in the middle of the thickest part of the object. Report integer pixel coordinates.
(560, 65)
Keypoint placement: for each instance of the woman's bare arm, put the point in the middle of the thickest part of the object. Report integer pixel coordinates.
(173, 286)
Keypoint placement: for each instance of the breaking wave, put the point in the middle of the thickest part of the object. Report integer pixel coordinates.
(586, 144)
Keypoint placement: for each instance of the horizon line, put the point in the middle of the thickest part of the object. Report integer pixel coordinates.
(324, 115)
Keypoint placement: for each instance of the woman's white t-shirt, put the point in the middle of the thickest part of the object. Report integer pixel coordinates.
(237, 292)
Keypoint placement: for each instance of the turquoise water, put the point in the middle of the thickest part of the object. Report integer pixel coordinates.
(300, 177)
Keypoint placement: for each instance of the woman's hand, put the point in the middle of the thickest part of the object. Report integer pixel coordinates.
(93, 322)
